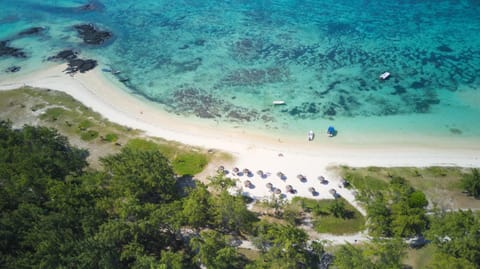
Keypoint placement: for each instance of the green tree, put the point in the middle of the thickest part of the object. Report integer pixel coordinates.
(457, 234)
(471, 183)
(55, 215)
(231, 213)
(408, 221)
(197, 207)
(29, 158)
(220, 182)
(376, 254)
(380, 216)
(338, 208)
(442, 261)
(349, 256)
(282, 247)
(214, 252)
(417, 199)
(143, 175)
(172, 260)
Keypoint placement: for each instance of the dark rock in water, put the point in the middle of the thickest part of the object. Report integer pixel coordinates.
(91, 35)
(187, 66)
(444, 48)
(91, 6)
(455, 131)
(13, 69)
(80, 65)
(31, 31)
(399, 90)
(199, 42)
(64, 55)
(9, 19)
(419, 84)
(6, 50)
(330, 111)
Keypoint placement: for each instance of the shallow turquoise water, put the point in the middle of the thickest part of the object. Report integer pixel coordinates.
(228, 60)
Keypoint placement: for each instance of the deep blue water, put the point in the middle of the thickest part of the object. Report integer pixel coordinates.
(228, 60)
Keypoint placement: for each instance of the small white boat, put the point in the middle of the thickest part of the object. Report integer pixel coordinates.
(278, 102)
(384, 76)
(311, 135)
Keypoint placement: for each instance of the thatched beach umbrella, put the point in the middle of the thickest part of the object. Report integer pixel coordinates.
(300, 176)
(289, 188)
(280, 174)
(236, 170)
(246, 171)
(321, 179)
(269, 186)
(260, 173)
(221, 168)
(311, 189)
(247, 183)
(333, 192)
(278, 191)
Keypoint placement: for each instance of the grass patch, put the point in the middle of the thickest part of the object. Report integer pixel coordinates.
(367, 179)
(37, 107)
(436, 182)
(185, 161)
(190, 163)
(167, 149)
(249, 254)
(420, 258)
(89, 135)
(85, 124)
(53, 114)
(324, 222)
(111, 137)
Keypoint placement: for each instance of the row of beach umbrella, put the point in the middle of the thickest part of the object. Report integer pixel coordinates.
(260, 173)
(281, 175)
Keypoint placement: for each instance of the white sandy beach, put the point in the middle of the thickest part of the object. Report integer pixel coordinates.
(251, 150)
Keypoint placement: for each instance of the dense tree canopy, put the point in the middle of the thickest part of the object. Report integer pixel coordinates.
(143, 175)
(377, 254)
(457, 237)
(396, 211)
(131, 214)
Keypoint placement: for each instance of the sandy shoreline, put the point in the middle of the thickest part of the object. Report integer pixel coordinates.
(252, 151)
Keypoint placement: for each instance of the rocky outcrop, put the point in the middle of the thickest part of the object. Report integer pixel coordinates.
(75, 64)
(31, 31)
(13, 69)
(6, 50)
(80, 65)
(64, 55)
(91, 6)
(91, 35)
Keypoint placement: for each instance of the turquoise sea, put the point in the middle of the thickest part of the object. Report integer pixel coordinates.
(226, 61)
